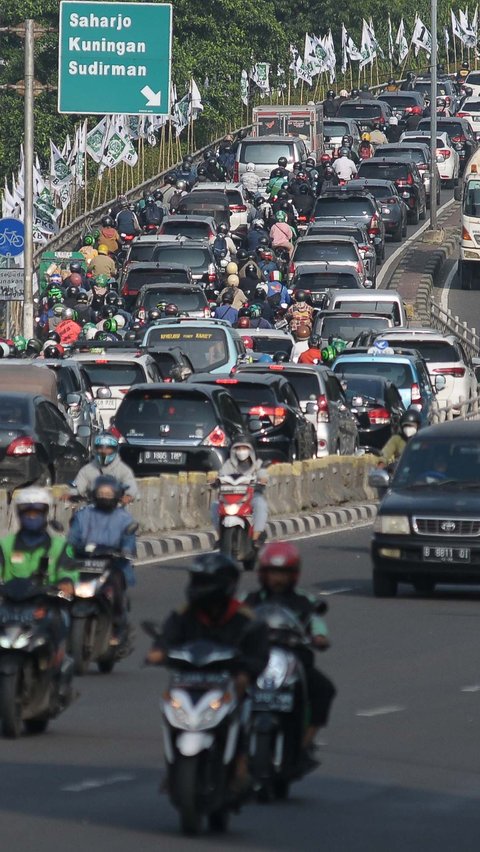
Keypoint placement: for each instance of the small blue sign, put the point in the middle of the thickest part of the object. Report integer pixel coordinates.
(12, 237)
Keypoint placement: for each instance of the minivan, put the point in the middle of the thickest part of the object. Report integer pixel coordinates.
(369, 301)
(265, 151)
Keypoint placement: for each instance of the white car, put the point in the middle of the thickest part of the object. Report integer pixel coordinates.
(470, 111)
(448, 160)
(444, 356)
(239, 206)
(473, 80)
(112, 374)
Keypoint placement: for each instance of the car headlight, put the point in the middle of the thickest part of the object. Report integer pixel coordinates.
(274, 672)
(392, 525)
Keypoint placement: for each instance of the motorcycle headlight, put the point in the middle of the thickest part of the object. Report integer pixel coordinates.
(392, 525)
(175, 712)
(274, 672)
(86, 588)
(232, 509)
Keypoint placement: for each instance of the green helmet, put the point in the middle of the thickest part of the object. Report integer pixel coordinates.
(101, 280)
(329, 353)
(339, 344)
(20, 342)
(55, 294)
(96, 234)
(110, 325)
(255, 312)
(281, 216)
(89, 240)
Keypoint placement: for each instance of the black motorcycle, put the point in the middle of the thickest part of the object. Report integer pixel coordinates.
(91, 633)
(35, 673)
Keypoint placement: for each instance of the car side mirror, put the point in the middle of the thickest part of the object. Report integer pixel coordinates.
(457, 193)
(254, 424)
(103, 393)
(378, 478)
(73, 399)
(440, 383)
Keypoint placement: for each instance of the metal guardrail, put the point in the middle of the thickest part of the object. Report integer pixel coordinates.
(466, 410)
(443, 320)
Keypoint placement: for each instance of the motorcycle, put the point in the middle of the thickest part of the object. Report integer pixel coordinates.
(235, 514)
(35, 673)
(150, 229)
(201, 723)
(127, 240)
(279, 707)
(91, 633)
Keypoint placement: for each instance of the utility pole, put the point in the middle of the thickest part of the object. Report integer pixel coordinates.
(28, 181)
(433, 122)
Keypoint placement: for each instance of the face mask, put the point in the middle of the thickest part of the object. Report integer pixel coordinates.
(408, 431)
(242, 455)
(104, 460)
(106, 504)
(36, 523)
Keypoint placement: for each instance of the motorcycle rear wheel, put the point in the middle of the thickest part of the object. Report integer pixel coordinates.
(11, 705)
(78, 644)
(218, 820)
(185, 795)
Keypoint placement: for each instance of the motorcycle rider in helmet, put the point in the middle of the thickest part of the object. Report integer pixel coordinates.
(127, 221)
(249, 180)
(281, 168)
(243, 461)
(377, 136)
(301, 344)
(300, 312)
(330, 104)
(408, 84)
(106, 461)
(365, 93)
(109, 236)
(344, 167)
(225, 310)
(410, 423)
(313, 354)
(213, 613)
(279, 572)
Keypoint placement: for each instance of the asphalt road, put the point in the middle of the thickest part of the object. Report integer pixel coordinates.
(400, 768)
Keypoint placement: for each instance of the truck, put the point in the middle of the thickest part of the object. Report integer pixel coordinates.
(469, 195)
(303, 121)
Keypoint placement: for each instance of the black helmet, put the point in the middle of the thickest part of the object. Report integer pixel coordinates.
(222, 229)
(441, 102)
(242, 254)
(112, 297)
(310, 162)
(365, 87)
(251, 270)
(410, 76)
(297, 165)
(53, 336)
(300, 295)
(465, 65)
(207, 154)
(314, 341)
(411, 415)
(330, 94)
(52, 350)
(355, 93)
(33, 347)
(212, 160)
(107, 312)
(213, 579)
(391, 82)
(186, 166)
(280, 356)
(202, 170)
(72, 292)
(76, 266)
(82, 296)
(282, 162)
(243, 312)
(107, 222)
(153, 314)
(228, 296)
(158, 195)
(263, 241)
(188, 159)
(277, 173)
(282, 194)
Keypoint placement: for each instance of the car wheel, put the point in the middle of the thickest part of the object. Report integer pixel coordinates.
(465, 273)
(423, 214)
(384, 586)
(397, 234)
(404, 228)
(413, 216)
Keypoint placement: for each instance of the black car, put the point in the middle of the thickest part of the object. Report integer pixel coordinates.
(190, 299)
(377, 406)
(365, 113)
(394, 210)
(166, 428)
(408, 107)
(427, 529)
(319, 278)
(405, 175)
(139, 273)
(285, 435)
(420, 154)
(36, 443)
(338, 204)
(460, 134)
(206, 202)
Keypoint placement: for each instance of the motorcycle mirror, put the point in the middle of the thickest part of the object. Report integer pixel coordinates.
(151, 628)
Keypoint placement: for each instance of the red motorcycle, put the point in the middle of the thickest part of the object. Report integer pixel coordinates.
(235, 514)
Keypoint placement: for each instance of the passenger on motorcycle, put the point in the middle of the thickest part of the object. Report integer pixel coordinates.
(103, 264)
(108, 236)
(127, 221)
(301, 341)
(377, 136)
(225, 310)
(249, 180)
(313, 354)
(151, 213)
(281, 234)
(279, 572)
(281, 167)
(106, 461)
(243, 461)
(300, 312)
(344, 167)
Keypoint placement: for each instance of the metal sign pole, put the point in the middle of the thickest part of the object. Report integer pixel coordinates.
(28, 153)
(433, 122)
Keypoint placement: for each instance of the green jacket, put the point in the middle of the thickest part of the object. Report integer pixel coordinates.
(17, 560)
(393, 449)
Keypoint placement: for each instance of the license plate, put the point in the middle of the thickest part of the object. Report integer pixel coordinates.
(278, 702)
(162, 456)
(446, 554)
(107, 403)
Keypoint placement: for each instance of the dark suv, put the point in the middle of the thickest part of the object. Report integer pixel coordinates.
(339, 203)
(460, 134)
(366, 113)
(405, 176)
(408, 107)
(138, 273)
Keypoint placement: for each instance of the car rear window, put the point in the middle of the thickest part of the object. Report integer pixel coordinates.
(426, 88)
(335, 128)
(248, 395)
(264, 153)
(309, 251)
(206, 348)
(118, 374)
(337, 230)
(473, 78)
(234, 197)
(397, 372)
(380, 191)
(306, 386)
(338, 207)
(270, 345)
(194, 230)
(175, 417)
(196, 259)
(13, 412)
(184, 299)
(363, 386)
(371, 307)
(431, 350)
(471, 106)
(326, 281)
(359, 110)
(415, 154)
(451, 128)
(401, 101)
(383, 171)
(348, 328)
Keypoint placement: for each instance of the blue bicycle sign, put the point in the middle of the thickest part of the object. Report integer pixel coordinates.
(11, 237)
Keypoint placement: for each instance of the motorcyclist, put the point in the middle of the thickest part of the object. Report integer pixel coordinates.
(312, 355)
(344, 167)
(393, 131)
(215, 171)
(408, 84)
(239, 297)
(110, 527)
(330, 105)
(88, 249)
(151, 213)
(281, 168)
(300, 313)
(281, 233)
(256, 318)
(330, 177)
(75, 268)
(108, 236)
(106, 461)
(463, 73)
(392, 86)
(279, 571)
(409, 425)
(180, 192)
(249, 180)
(225, 310)
(255, 234)
(377, 136)
(302, 335)
(103, 264)
(305, 201)
(213, 613)
(226, 159)
(365, 150)
(127, 221)
(250, 279)
(243, 462)
(365, 93)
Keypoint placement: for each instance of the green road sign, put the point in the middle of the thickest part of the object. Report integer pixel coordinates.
(114, 57)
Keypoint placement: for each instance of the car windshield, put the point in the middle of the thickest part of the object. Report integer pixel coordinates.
(383, 171)
(137, 278)
(184, 299)
(315, 281)
(359, 110)
(264, 153)
(433, 462)
(205, 347)
(335, 128)
(166, 416)
(197, 259)
(116, 374)
(471, 199)
(194, 230)
(353, 206)
(399, 373)
(332, 252)
(348, 328)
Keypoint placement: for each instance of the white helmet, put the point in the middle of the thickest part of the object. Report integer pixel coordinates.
(121, 322)
(33, 497)
(250, 167)
(90, 333)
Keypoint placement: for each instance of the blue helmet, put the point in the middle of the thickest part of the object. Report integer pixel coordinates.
(105, 439)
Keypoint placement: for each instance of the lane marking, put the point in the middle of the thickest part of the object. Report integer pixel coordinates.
(391, 260)
(381, 711)
(338, 591)
(475, 687)
(94, 783)
(444, 298)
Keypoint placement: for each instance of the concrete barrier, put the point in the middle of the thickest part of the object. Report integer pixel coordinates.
(182, 502)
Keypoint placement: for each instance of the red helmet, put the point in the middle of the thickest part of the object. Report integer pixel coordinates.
(325, 158)
(248, 341)
(171, 310)
(281, 556)
(243, 322)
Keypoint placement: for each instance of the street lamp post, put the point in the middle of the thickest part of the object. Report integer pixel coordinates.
(433, 122)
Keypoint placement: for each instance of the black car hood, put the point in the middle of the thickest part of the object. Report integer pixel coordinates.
(432, 500)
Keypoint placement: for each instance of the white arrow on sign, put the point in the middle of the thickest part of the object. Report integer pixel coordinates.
(153, 98)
